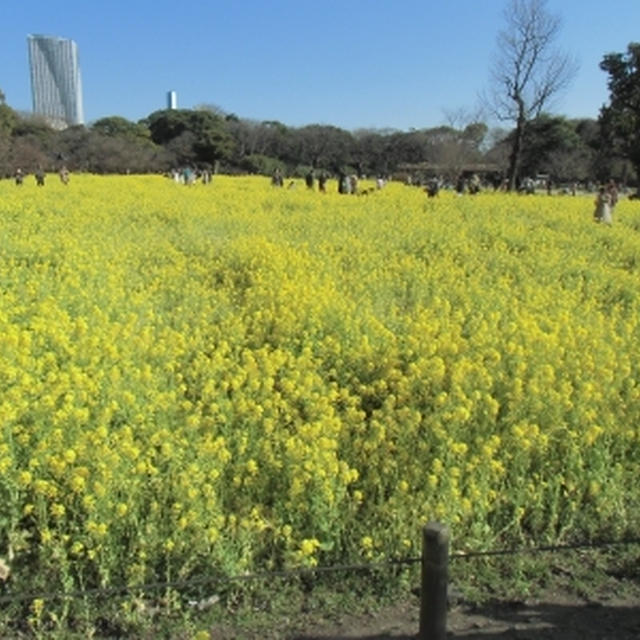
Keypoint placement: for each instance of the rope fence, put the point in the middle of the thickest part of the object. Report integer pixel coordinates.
(7, 598)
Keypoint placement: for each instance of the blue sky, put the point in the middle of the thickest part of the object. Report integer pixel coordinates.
(353, 63)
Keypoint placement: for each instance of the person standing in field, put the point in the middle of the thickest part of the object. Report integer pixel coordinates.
(40, 177)
(343, 183)
(474, 184)
(433, 187)
(64, 175)
(19, 176)
(602, 212)
(309, 179)
(613, 193)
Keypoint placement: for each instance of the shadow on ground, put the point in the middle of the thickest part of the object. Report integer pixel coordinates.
(500, 621)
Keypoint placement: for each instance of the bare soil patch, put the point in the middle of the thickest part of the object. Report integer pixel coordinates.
(554, 617)
(607, 608)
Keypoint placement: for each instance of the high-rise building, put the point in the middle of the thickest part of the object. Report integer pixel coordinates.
(55, 80)
(172, 100)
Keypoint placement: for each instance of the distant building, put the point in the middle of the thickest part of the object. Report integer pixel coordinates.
(55, 80)
(172, 100)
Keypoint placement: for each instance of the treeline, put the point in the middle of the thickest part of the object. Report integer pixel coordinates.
(566, 150)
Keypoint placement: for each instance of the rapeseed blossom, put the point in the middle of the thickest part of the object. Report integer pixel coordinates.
(240, 378)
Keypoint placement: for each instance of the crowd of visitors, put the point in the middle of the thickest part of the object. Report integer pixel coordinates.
(189, 175)
(606, 195)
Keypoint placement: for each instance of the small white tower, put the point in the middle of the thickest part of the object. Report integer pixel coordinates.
(172, 100)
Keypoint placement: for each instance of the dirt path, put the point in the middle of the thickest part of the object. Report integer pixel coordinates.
(562, 618)
(579, 603)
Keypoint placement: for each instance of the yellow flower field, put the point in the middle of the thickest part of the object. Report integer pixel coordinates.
(231, 377)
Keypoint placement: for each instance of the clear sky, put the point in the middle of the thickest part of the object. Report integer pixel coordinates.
(350, 63)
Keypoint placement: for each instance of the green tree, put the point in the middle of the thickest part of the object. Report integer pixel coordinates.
(8, 117)
(546, 137)
(278, 141)
(118, 127)
(34, 127)
(620, 119)
(207, 133)
(371, 150)
(323, 146)
(574, 158)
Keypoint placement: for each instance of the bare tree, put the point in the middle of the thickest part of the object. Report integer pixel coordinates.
(528, 71)
(464, 148)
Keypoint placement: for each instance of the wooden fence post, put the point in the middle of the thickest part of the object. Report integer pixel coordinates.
(435, 576)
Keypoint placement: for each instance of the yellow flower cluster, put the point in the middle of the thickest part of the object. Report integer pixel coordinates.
(239, 377)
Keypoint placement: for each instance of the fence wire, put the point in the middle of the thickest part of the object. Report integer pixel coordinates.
(299, 571)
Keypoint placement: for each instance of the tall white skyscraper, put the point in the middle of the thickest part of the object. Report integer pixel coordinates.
(55, 80)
